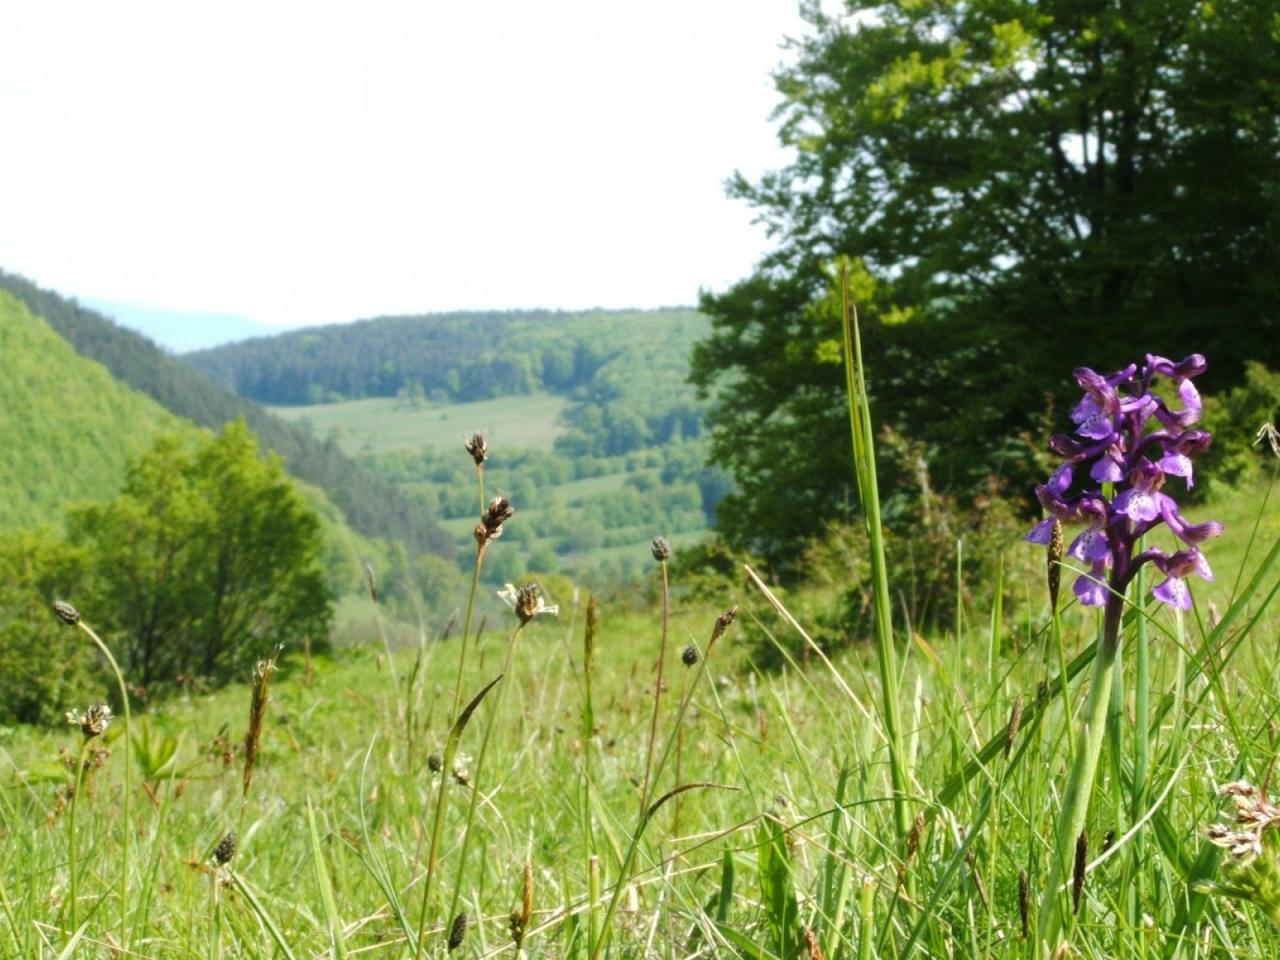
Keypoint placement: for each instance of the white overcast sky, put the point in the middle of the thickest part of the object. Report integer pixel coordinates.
(309, 162)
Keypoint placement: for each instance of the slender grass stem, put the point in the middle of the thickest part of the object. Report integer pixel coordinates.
(125, 805)
(869, 496)
(642, 822)
(73, 859)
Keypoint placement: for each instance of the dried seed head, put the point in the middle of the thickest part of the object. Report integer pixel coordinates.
(661, 549)
(1077, 876)
(93, 722)
(495, 515)
(1054, 559)
(915, 836)
(723, 622)
(457, 931)
(519, 919)
(257, 712)
(690, 656)
(1024, 903)
(371, 578)
(1015, 721)
(812, 949)
(66, 612)
(435, 762)
(478, 448)
(226, 849)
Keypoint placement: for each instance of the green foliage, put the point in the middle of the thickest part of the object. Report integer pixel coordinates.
(370, 506)
(1234, 418)
(207, 558)
(46, 668)
(1021, 184)
(66, 427)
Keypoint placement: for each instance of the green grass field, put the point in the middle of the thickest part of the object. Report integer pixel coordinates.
(781, 845)
(384, 424)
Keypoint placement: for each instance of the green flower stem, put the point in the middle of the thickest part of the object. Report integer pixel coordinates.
(1075, 798)
(73, 865)
(125, 843)
(646, 788)
(479, 769)
(466, 628)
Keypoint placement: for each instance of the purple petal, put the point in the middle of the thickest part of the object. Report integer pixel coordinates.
(1179, 466)
(1041, 533)
(1090, 547)
(1060, 482)
(1174, 592)
(1090, 592)
(1137, 505)
(1106, 470)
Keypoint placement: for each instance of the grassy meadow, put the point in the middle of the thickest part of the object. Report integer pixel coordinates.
(377, 425)
(750, 814)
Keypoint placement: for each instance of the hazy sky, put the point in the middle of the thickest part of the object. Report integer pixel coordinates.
(306, 162)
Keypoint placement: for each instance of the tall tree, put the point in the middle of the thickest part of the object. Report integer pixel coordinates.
(1027, 186)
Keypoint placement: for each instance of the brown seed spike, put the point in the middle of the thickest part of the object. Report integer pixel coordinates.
(226, 849)
(1024, 903)
(478, 448)
(812, 947)
(1077, 878)
(1054, 571)
(1015, 721)
(457, 931)
(723, 622)
(661, 549)
(66, 612)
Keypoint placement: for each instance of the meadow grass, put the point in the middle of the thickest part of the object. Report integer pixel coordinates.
(333, 846)
(631, 785)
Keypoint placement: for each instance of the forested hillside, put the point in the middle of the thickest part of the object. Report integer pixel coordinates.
(67, 427)
(371, 505)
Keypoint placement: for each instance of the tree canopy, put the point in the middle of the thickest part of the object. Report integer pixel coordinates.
(209, 557)
(1025, 187)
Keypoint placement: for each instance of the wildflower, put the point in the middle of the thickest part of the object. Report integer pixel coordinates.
(478, 448)
(1253, 870)
(690, 655)
(93, 722)
(1132, 441)
(527, 601)
(661, 549)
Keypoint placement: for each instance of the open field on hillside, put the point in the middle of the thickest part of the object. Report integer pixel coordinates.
(383, 424)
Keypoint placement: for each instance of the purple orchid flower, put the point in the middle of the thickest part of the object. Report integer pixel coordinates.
(1131, 440)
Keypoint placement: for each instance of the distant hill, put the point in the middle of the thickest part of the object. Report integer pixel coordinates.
(371, 505)
(446, 357)
(67, 427)
(180, 330)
